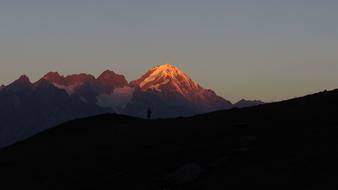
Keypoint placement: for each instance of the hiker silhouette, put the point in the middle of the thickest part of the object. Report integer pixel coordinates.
(149, 113)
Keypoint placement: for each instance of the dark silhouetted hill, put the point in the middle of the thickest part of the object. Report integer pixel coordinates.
(286, 145)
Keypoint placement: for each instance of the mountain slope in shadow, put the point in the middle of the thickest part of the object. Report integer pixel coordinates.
(272, 146)
(27, 108)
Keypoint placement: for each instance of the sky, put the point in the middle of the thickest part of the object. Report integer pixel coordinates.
(255, 49)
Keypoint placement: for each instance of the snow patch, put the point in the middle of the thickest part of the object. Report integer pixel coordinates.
(120, 97)
(157, 86)
(69, 89)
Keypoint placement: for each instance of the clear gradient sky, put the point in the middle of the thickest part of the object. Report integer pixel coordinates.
(255, 49)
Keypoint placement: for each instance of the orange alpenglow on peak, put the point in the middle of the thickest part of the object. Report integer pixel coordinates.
(168, 70)
(167, 78)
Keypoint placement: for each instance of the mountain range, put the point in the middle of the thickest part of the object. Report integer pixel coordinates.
(27, 108)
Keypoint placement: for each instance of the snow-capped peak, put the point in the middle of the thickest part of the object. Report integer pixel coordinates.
(167, 77)
(167, 70)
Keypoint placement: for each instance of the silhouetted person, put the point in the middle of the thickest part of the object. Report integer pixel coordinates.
(149, 113)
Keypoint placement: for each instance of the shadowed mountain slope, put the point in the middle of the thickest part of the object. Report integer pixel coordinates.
(27, 108)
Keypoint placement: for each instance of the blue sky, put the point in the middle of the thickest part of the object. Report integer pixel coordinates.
(264, 49)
